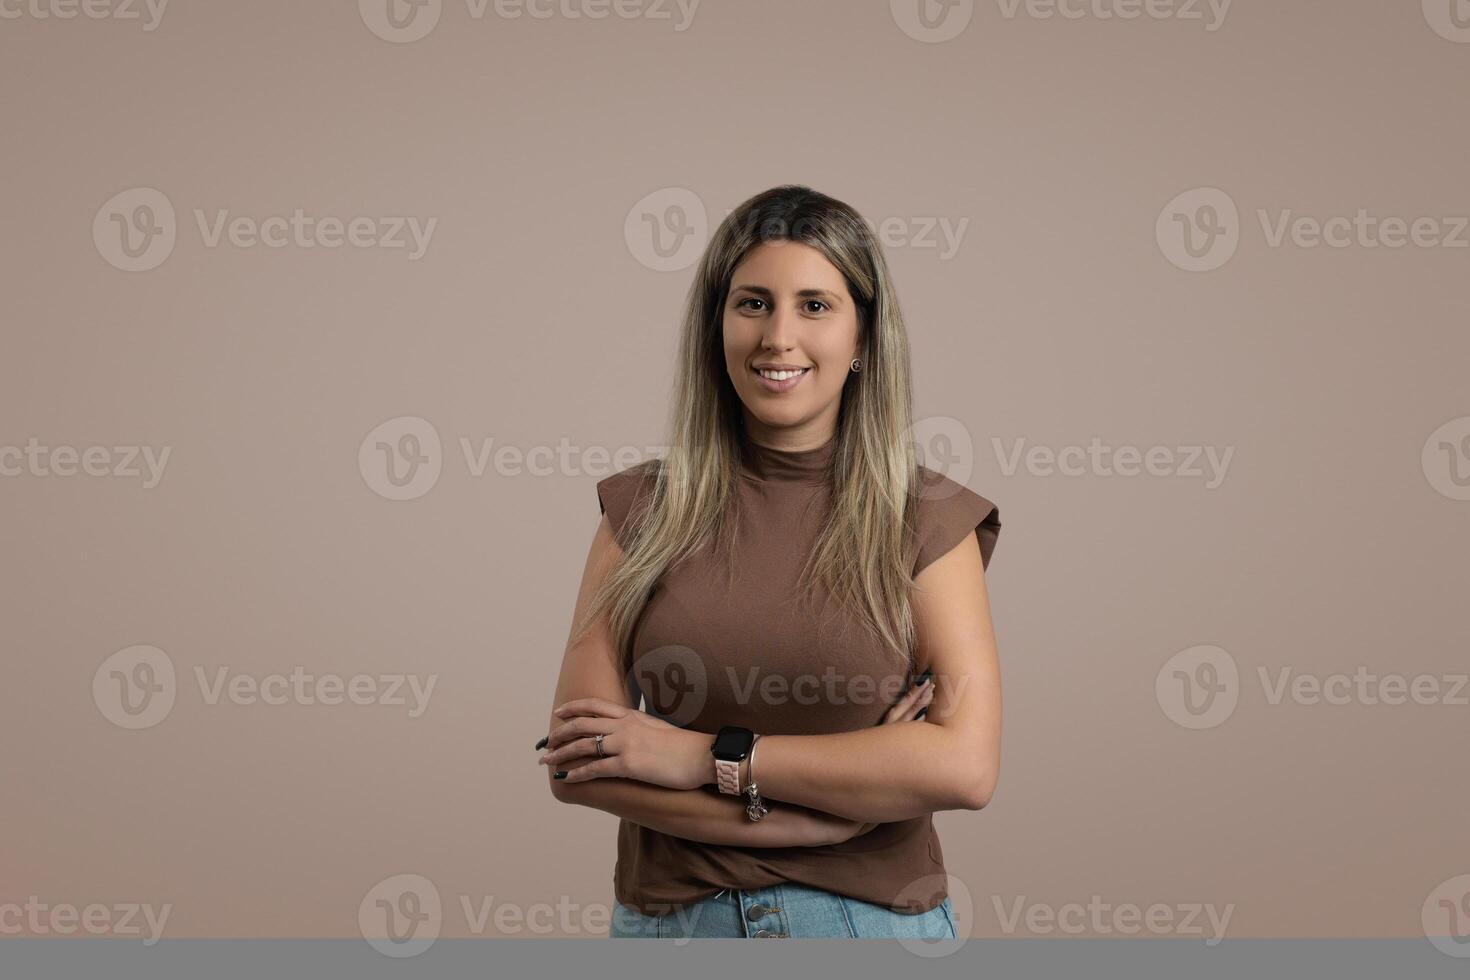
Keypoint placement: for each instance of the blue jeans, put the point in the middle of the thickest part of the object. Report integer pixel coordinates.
(784, 910)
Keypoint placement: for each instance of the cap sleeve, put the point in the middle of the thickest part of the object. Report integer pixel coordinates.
(947, 512)
(622, 497)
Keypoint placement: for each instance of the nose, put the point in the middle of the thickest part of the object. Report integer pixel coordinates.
(780, 330)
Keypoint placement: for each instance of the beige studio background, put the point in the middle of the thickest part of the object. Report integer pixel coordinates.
(1102, 229)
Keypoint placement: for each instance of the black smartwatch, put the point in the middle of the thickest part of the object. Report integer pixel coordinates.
(732, 746)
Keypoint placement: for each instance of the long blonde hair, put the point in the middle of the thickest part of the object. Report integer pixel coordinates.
(864, 550)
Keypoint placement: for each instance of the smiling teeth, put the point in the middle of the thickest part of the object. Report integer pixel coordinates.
(781, 375)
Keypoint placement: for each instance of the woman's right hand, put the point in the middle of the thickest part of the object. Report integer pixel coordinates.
(831, 829)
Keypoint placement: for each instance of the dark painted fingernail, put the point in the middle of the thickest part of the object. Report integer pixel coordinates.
(542, 744)
(921, 712)
(559, 774)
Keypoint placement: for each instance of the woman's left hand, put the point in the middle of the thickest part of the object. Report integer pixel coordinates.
(638, 746)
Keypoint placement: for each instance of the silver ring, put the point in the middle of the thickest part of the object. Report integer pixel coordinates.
(600, 754)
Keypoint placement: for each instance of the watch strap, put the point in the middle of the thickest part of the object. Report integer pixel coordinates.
(727, 776)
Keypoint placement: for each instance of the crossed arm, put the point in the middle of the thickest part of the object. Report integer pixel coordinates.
(829, 787)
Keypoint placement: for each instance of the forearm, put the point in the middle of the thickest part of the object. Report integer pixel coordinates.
(879, 774)
(696, 814)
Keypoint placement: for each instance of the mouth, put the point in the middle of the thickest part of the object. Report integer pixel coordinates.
(778, 381)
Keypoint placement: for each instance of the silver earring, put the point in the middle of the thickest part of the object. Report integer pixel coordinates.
(857, 364)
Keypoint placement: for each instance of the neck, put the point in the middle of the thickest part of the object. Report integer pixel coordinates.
(807, 464)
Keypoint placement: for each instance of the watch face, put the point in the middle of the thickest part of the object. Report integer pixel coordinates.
(732, 744)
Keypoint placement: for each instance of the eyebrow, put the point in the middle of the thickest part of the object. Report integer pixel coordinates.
(801, 293)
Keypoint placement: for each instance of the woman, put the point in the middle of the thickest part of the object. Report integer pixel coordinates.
(768, 589)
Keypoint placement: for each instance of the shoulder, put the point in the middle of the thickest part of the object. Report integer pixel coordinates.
(947, 511)
(623, 494)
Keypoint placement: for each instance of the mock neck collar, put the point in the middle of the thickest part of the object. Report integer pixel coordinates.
(803, 466)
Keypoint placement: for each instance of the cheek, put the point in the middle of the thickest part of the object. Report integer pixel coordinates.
(738, 340)
(835, 355)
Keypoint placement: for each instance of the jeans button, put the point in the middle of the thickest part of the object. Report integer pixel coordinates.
(755, 912)
(760, 934)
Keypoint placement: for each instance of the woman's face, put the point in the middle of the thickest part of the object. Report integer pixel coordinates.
(788, 305)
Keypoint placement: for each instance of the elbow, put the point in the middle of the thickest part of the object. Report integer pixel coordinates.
(977, 791)
(561, 792)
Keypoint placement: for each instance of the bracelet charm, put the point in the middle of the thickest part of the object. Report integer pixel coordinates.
(756, 808)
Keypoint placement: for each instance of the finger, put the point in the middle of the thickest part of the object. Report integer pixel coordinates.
(895, 712)
(576, 749)
(906, 704)
(921, 701)
(577, 728)
(593, 769)
(925, 700)
(901, 704)
(589, 706)
(924, 703)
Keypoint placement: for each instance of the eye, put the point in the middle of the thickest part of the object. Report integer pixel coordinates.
(748, 299)
(818, 302)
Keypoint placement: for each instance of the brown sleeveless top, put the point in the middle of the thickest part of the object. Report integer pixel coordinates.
(708, 652)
